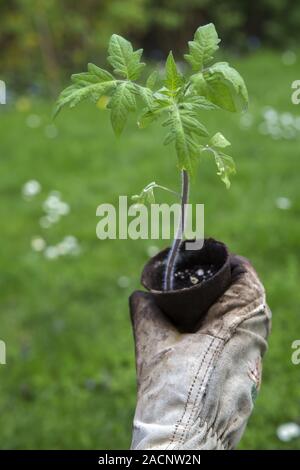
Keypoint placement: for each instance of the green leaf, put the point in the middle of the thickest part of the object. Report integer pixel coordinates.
(173, 78)
(170, 137)
(102, 74)
(226, 167)
(191, 123)
(121, 103)
(146, 94)
(156, 110)
(199, 85)
(123, 59)
(225, 87)
(219, 141)
(87, 85)
(203, 47)
(74, 94)
(146, 118)
(198, 103)
(152, 79)
(84, 79)
(182, 127)
(186, 149)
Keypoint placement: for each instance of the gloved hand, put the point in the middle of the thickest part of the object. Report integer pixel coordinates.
(196, 391)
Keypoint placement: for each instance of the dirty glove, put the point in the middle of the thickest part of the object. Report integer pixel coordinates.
(196, 391)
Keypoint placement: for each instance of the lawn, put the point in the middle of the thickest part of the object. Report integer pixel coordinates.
(69, 381)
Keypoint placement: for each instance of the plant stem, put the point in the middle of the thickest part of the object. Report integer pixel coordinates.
(172, 258)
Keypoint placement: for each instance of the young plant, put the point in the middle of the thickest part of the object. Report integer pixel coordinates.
(181, 100)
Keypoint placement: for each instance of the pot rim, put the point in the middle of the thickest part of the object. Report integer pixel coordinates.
(191, 288)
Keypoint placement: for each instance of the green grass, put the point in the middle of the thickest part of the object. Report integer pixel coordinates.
(69, 381)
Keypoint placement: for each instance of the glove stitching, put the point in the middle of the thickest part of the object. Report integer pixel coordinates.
(216, 354)
(208, 372)
(237, 324)
(179, 422)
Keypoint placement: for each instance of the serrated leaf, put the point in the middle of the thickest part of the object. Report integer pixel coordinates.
(173, 77)
(186, 152)
(225, 165)
(86, 85)
(197, 103)
(76, 93)
(102, 74)
(163, 94)
(187, 148)
(121, 103)
(152, 79)
(225, 87)
(199, 84)
(84, 78)
(170, 137)
(169, 121)
(219, 141)
(192, 124)
(156, 110)
(146, 118)
(123, 59)
(146, 95)
(161, 99)
(203, 47)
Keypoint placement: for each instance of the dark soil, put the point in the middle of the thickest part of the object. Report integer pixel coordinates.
(189, 277)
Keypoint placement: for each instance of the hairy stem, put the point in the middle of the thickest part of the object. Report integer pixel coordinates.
(172, 258)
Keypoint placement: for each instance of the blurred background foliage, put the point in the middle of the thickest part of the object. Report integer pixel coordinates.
(47, 38)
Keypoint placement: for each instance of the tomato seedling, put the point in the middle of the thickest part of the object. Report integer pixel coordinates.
(182, 100)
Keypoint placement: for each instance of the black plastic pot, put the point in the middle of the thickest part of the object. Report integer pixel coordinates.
(186, 307)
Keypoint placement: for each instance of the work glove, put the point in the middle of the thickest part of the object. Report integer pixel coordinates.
(196, 391)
